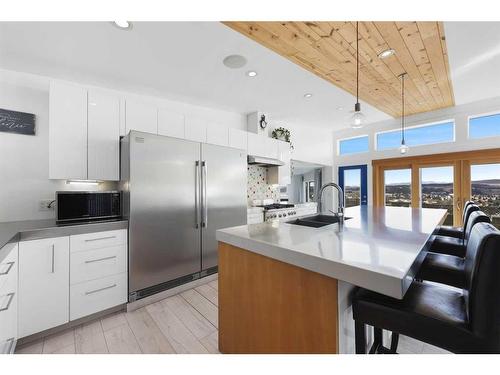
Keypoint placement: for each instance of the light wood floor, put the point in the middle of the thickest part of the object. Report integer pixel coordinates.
(184, 323)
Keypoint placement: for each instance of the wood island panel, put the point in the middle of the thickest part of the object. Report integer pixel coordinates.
(268, 306)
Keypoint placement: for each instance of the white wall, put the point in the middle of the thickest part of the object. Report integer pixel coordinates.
(459, 114)
(24, 159)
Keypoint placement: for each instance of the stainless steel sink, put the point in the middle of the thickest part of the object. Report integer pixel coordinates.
(317, 221)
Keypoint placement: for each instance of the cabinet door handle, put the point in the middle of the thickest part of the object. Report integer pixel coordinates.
(53, 258)
(11, 297)
(204, 222)
(100, 259)
(100, 290)
(196, 194)
(99, 239)
(11, 264)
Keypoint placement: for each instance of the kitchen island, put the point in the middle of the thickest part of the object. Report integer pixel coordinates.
(285, 288)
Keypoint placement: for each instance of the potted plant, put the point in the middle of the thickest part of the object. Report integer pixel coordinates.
(282, 134)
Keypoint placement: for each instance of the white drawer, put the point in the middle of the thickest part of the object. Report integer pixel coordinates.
(97, 295)
(95, 264)
(89, 241)
(8, 267)
(8, 317)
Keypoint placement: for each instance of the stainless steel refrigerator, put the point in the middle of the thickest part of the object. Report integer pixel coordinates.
(177, 193)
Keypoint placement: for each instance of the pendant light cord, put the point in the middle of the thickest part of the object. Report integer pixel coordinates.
(357, 63)
(403, 107)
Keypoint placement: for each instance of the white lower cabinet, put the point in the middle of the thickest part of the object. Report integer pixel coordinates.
(43, 284)
(66, 278)
(97, 295)
(9, 300)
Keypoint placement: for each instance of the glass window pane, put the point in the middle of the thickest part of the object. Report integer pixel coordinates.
(485, 189)
(352, 187)
(353, 145)
(485, 126)
(417, 136)
(398, 187)
(437, 189)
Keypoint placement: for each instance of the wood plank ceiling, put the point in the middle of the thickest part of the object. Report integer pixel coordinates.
(328, 49)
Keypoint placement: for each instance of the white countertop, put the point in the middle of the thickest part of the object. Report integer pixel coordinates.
(380, 248)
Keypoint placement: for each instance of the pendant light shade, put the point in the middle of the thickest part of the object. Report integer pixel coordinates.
(403, 148)
(358, 118)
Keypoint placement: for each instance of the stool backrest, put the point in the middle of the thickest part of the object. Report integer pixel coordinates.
(474, 218)
(482, 293)
(470, 209)
(465, 209)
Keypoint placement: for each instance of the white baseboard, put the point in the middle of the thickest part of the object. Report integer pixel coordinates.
(132, 306)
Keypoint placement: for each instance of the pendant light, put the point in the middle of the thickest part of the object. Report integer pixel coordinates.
(358, 118)
(403, 148)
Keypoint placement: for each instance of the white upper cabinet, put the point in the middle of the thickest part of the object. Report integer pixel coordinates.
(218, 134)
(170, 123)
(103, 135)
(67, 131)
(238, 139)
(141, 116)
(257, 146)
(285, 156)
(272, 150)
(196, 129)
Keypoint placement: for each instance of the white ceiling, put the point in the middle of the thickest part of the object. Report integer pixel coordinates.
(474, 55)
(180, 61)
(183, 61)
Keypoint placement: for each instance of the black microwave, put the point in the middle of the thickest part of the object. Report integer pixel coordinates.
(74, 206)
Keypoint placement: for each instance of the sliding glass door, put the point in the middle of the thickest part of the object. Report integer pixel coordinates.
(485, 189)
(437, 189)
(441, 181)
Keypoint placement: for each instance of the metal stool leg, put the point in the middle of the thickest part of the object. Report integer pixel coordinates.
(394, 342)
(360, 337)
(377, 340)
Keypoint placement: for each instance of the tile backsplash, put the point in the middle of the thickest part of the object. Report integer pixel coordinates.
(257, 187)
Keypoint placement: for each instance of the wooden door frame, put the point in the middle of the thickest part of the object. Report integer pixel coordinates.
(461, 184)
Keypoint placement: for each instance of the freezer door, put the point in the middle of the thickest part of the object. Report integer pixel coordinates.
(164, 238)
(224, 193)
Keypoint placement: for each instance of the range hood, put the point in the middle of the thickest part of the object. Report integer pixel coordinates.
(264, 162)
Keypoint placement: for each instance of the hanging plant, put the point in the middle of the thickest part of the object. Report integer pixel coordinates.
(282, 134)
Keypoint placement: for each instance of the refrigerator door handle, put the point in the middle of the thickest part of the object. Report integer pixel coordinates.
(196, 193)
(204, 219)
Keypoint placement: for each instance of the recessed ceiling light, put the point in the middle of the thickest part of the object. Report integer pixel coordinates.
(123, 25)
(385, 54)
(234, 61)
(308, 95)
(340, 108)
(251, 73)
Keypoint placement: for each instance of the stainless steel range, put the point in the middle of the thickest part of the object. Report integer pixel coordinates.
(286, 212)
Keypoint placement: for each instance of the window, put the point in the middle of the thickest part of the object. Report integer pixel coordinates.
(397, 187)
(353, 145)
(352, 187)
(309, 188)
(417, 136)
(436, 189)
(484, 126)
(485, 189)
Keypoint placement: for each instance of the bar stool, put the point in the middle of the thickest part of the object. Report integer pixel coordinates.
(453, 245)
(449, 269)
(450, 231)
(466, 321)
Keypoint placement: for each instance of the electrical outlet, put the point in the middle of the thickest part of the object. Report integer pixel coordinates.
(43, 205)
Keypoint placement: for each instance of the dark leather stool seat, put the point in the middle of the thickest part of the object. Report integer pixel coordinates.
(448, 269)
(456, 232)
(454, 245)
(466, 321)
(444, 269)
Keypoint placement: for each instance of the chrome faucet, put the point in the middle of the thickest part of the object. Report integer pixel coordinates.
(341, 204)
